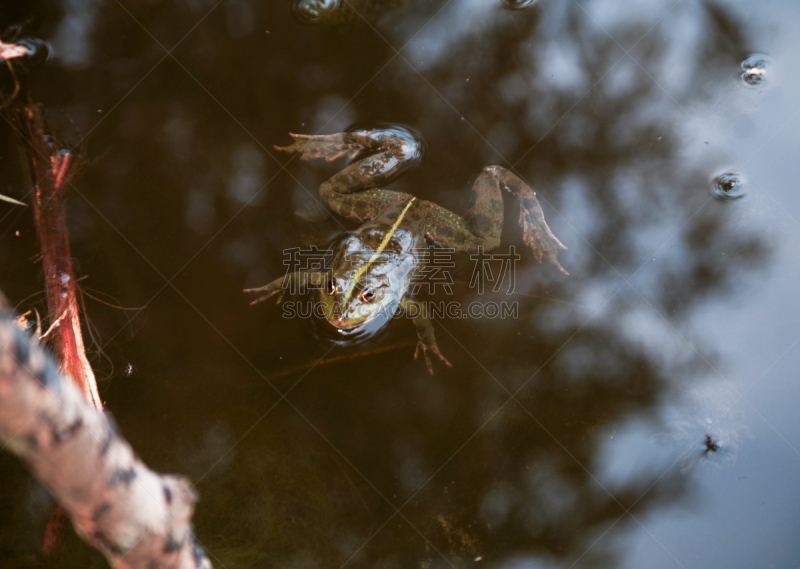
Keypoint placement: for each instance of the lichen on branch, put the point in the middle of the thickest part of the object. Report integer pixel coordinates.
(135, 517)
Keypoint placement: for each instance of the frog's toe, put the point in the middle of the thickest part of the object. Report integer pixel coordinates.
(537, 235)
(421, 347)
(327, 146)
(270, 292)
(266, 297)
(443, 359)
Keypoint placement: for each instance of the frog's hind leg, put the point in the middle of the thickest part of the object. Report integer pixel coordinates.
(353, 192)
(535, 232)
(482, 226)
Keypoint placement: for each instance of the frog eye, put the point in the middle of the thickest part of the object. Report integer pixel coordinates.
(368, 294)
(330, 287)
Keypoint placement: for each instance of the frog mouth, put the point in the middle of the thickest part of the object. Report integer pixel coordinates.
(344, 324)
(351, 328)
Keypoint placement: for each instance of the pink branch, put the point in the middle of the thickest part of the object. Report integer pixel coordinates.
(50, 171)
(12, 50)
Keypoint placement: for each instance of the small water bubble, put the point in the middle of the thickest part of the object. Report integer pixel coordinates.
(517, 4)
(728, 186)
(755, 70)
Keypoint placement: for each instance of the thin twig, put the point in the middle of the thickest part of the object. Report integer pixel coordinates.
(338, 359)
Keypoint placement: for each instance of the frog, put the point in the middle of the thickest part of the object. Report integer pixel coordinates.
(369, 278)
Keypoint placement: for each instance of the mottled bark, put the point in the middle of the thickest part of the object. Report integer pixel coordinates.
(51, 168)
(135, 517)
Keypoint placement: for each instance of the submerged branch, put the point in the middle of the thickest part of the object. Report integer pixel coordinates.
(337, 359)
(134, 516)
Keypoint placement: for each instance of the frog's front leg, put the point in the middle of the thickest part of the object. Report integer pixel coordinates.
(327, 146)
(293, 282)
(426, 338)
(353, 191)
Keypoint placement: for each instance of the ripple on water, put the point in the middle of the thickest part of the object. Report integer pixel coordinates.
(315, 11)
(728, 186)
(417, 146)
(38, 51)
(755, 70)
(517, 4)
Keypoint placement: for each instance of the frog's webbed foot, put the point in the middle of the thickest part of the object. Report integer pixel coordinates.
(535, 232)
(537, 235)
(426, 338)
(327, 146)
(296, 283)
(276, 287)
(424, 347)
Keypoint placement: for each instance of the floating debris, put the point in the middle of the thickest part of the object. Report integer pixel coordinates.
(728, 186)
(709, 428)
(755, 70)
(710, 444)
(11, 200)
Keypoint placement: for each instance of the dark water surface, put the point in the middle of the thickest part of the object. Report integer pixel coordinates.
(635, 121)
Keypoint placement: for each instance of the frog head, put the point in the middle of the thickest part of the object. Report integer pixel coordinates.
(364, 287)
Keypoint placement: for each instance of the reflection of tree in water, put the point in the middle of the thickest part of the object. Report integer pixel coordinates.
(615, 167)
(618, 154)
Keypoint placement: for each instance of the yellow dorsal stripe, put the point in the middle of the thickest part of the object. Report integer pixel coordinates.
(378, 251)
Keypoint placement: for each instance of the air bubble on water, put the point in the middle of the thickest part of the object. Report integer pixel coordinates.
(728, 186)
(517, 4)
(755, 70)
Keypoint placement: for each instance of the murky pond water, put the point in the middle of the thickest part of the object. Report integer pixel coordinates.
(640, 412)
